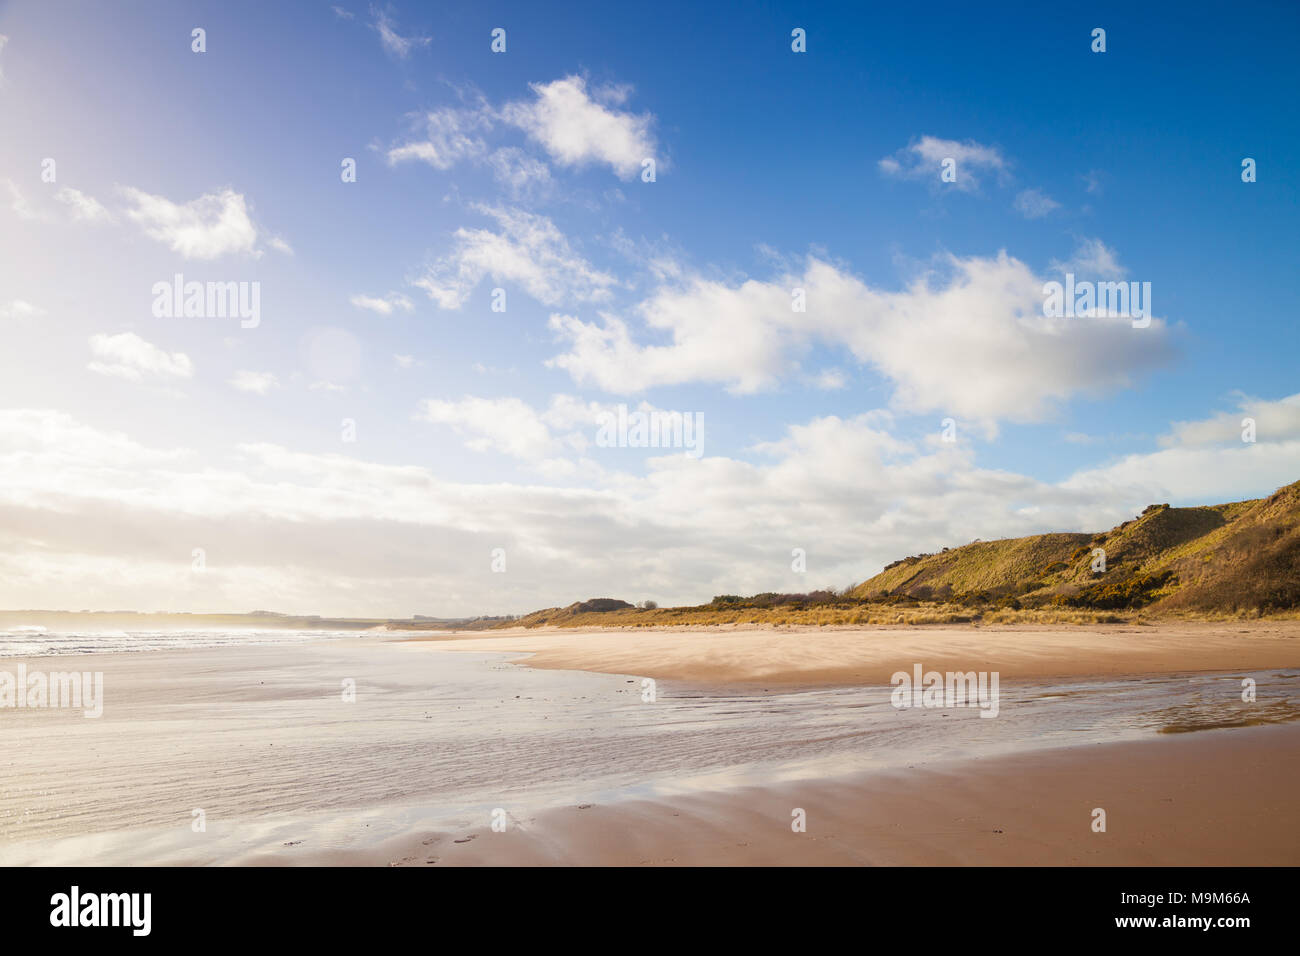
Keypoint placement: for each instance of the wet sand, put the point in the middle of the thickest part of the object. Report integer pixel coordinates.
(441, 733)
(1219, 798)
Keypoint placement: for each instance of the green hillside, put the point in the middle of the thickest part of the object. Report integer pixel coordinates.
(1216, 557)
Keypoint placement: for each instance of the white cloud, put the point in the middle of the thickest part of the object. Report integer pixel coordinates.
(128, 356)
(450, 135)
(406, 361)
(4, 41)
(20, 309)
(392, 41)
(1093, 260)
(523, 175)
(922, 160)
(331, 534)
(528, 251)
(81, 207)
(343, 14)
(507, 425)
(1035, 204)
(515, 428)
(1205, 474)
(259, 383)
(973, 343)
(385, 305)
(205, 228)
(84, 208)
(577, 127)
(830, 380)
(1274, 421)
(19, 205)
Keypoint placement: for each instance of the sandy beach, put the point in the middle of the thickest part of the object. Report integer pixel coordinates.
(811, 656)
(550, 735)
(1223, 798)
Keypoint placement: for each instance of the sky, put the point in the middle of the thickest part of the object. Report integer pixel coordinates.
(823, 234)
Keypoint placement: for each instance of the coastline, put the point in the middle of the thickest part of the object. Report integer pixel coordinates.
(444, 730)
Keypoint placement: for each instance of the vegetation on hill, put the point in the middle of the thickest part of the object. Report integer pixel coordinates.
(1241, 558)
(564, 616)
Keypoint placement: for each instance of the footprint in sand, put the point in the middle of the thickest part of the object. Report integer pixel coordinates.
(465, 839)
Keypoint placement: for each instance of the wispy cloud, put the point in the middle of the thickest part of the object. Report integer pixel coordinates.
(385, 305)
(83, 207)
(524, 176)
(19, 205)
(528, 250)
(20, 309)
(449, 135)
(1091, 259)
(259, 383)
(1035, 204)
(128, 356)
(393, 42)
(922, 160)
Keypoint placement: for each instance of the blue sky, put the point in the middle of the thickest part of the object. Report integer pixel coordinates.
(477, 171)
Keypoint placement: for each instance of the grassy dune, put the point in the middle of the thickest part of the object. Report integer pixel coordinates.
(1238, 557)
(1236, 560)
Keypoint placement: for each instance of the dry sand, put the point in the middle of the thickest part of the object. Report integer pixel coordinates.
(858, 655)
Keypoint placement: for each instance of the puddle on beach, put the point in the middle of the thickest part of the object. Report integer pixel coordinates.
(1214, 714)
